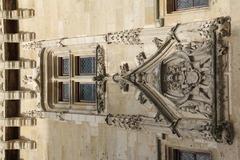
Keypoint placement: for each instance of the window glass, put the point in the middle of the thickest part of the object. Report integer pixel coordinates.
(87, 92)
(187, 156)
(87, 65)
(182, 4)
(64, 66)
(200, 3)
(64, 92)
(202, 156)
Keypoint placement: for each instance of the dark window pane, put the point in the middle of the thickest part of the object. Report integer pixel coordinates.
(87, 92)
(202, 156)
(65, 66)
(182, 4)
(187, 156)
(87, 65)
(64, 89)
(200, 3)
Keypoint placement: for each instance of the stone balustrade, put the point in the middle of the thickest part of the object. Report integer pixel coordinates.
(18, 37)
(18, 144)
(18, 121)
(17, 14)
(17, 95)
(21, 64)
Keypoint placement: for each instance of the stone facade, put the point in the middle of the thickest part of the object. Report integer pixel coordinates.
(164, 81)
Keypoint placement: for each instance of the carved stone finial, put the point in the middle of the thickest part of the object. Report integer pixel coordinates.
(142, 98)
(140, 58)
(158, 42)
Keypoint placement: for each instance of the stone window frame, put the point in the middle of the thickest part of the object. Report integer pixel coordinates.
(171, 7)
(50, 77)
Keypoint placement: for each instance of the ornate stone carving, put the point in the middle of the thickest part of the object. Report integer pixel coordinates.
(223, 132)
(33, 79)
(158, 42)
(32, 45)
(125, 121)
(140, 58)
(33, 114)
(142, 98)
(221, 26)
(185, 76)
(100, 78)
(127, 37)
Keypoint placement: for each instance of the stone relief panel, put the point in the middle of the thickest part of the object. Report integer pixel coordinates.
(183, 79)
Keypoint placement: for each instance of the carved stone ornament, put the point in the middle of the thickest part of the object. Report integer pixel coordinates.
(127, 37)
(33, 114)
(33, 79)
(100, 78)
(32, 45)
(141, 58)
(125, 121)
(184, 76)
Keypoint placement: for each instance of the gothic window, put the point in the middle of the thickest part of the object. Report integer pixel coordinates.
(189, 155)
(67, 92)
(85, 65)
(185, 4)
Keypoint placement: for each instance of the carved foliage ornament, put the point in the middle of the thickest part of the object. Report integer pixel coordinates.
(127, 37)
(100, 78)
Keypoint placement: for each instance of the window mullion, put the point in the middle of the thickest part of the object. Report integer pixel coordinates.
(70, 79)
